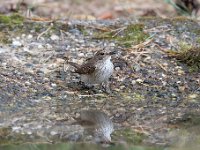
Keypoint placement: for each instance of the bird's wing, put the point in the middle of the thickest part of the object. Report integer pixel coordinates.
(74, 64)
(87, 68)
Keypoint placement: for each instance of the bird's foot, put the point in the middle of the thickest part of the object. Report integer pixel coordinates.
(106, 88)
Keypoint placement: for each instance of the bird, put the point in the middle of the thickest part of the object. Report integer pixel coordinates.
(96, 70)
(188, 6)
(98, 123)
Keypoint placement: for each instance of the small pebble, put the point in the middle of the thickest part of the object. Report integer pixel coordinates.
(81, 55)
(53, 85)
(16, 43)
(81, 41)
(193, 96)
(163, 75)
(40, 46)
(164, 83)
(133, 82)
(29, 132)
(180, 72)
(173, 95)
(26, 49)
(30, 36)
(54, 37)
(112, 44)
(46, 79)
(49, 46)
(139, 81)
(27, 83)
(16, 129)
(53, 132)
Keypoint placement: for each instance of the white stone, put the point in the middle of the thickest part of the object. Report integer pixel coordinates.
(30, 36)
(53, 132)
(139, 80)
(16, 128)
(49, 46)
(112, 44)
(54, 37)
(40, 46)
(80, 54)
(29, 132)
(163, 75)
(164, 83)
(26, 49)
(53, 85)
(27, 83)
(16, 43)
(133, 82)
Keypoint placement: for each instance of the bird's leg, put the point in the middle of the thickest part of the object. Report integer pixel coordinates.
(106, 87)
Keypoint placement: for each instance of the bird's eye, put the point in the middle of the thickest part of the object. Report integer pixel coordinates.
(102, 53)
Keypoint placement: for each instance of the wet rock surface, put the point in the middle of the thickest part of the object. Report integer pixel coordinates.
(40, 96)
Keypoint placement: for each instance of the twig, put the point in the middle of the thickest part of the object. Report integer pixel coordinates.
(141, 45)
(61, 34)
(162, 49)
(158, 27)
(161, 66)
(99, 28)
(41, 34)
(153, 86)
(118, 31)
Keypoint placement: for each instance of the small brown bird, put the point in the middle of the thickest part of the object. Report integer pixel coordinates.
(98, 123)
(97, 69)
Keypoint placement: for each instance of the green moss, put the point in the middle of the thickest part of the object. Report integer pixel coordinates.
(4, 19)
(103, 35)
(17, 19)
(4, 133)
(4, 38)
(130, 136)
(128, 36)
(198, 39)
(76, 146)
(12, 22)
(188, 54)
(85, 32)
(197, 32)
(12, 19)
(133, 34)
(38, 27)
